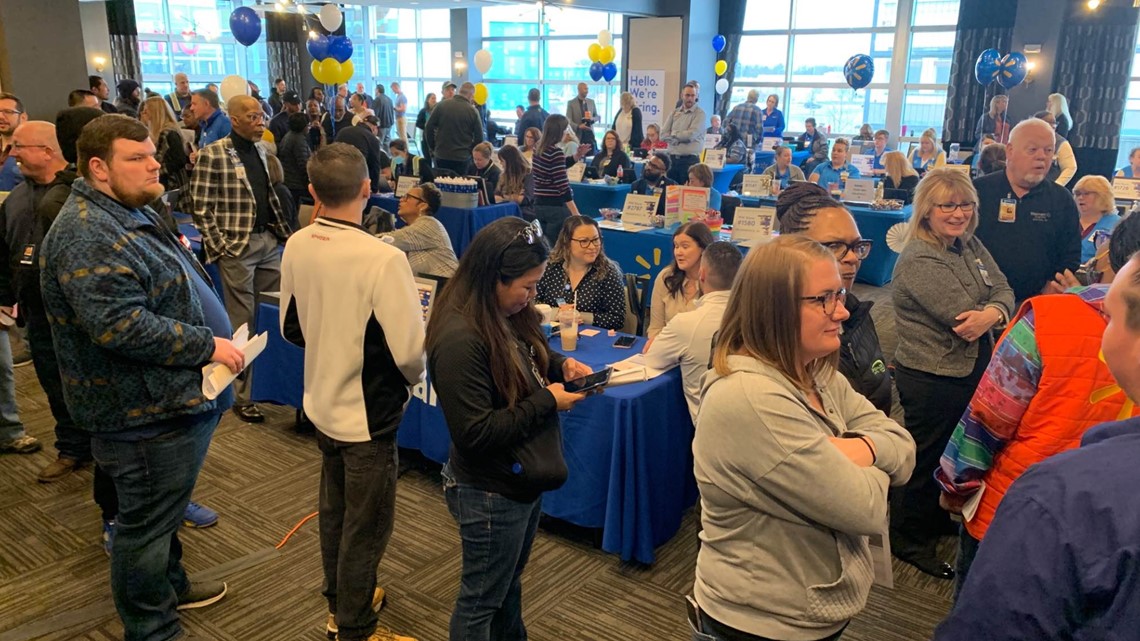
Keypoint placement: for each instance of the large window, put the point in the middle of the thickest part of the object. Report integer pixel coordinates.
(409, 46)
(796, 50)
(546, 47)
(1130, 128)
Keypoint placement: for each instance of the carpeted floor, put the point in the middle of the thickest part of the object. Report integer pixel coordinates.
(263, 481)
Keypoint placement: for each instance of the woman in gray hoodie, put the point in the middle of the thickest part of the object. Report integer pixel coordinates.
(793, 465)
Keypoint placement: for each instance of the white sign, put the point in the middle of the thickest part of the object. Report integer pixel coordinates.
(865, 163)
(752, 223)
(575, 173)
(771, 142)
(758, 185)
(404, 184)
(962, 168)
(639, 210)
(860, 190)
(648, 89)
(510, 141)
(714, 158)
(1126, 188)
(711, 140)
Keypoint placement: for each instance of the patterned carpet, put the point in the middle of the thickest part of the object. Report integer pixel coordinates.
(263, 480)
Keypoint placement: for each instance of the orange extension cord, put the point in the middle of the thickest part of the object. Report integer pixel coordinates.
(293, 531)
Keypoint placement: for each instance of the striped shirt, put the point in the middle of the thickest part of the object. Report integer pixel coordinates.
(549, 170)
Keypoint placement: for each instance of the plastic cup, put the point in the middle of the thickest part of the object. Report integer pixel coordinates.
(568, 328)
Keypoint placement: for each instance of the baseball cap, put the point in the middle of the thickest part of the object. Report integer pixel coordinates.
(291, 97)
(448, 83)
(372, 120)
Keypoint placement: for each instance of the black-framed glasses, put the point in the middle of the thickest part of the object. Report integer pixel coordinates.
(949, 208)
(828, 300)
(1077, 193)
(586, 243)
(255, 117)
(861, 248)
(412, 196)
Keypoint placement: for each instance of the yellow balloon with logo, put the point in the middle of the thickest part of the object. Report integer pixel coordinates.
(481, 93)
(595, 52)
(608, 54)
(330, 71)
(346, 71)
(721, 67)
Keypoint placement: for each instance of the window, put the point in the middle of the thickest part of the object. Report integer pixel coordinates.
(1130, 127)
(408, 46)
(928, 66)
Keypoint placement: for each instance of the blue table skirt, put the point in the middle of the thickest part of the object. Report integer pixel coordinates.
(722, 178)
(642, 253)
(765, 158)
(629, 450)
(592, 198)
(461, 224)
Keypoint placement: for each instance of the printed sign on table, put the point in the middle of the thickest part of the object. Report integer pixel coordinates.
(510, 141)
(753, 223)
(683, 203)
(639, 210)
(711, 140)
(757, 185)
(860, 190)
(575, 173)
(865, 163)
(404, 184)
(1126, 188)
(714, 158)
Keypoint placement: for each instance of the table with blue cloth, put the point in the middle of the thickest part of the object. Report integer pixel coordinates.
(722, 178)
(765, 158)
(591, 198)
(643, 253)
(629, 450)
(874, 224)
(461, 224)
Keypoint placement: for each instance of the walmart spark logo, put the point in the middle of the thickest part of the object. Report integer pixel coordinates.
(645, 263)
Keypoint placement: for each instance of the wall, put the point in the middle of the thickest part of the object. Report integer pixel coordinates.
(41, 58)
(1038, 22)
(96, 37)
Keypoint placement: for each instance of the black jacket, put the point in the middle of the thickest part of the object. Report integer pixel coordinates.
(293, 151)
(490, 175)
(620, 160)
(642, 187)
(534, 116)
(512, 451)
(861, 358)
(635, 132)
(360, 136)
(906, 183)
(453, 129)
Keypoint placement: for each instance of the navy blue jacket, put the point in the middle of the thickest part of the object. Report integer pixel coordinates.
(1062, 558)
(534, 116)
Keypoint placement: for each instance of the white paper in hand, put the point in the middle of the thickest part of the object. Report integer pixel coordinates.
(216, 377)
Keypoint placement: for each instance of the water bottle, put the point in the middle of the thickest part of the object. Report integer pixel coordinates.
(843, 180)
(620, 173)
(954, 147)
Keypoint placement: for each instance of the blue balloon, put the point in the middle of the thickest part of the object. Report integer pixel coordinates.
(340, 47)
(596, 71)
(245, 24)
(609, 71)
(986, 68)
(859, 70)
(318, 47)
(1012, 70)
(719, 43)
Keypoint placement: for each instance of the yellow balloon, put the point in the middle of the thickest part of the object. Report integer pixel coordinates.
(330, 71)
(607, 55)
(595, 52)
(481, 93)
(315, 69)
(346, 71)
(721, 67)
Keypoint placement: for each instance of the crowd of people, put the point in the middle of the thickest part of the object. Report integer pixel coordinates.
(795, 454)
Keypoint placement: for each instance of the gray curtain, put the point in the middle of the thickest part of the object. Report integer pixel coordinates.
(982, 24)
(281, 34)
(124, 40)
(731, 25)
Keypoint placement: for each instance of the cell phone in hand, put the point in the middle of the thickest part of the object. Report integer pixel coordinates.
(588, 382)
(625, 342)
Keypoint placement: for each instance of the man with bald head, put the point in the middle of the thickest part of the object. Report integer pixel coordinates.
(179, 99)
(241, 222)
(1029, 224)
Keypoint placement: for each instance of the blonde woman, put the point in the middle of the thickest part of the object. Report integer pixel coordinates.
(171, 148)
(1058, 105)
(899, 175)
(949, 294)
(928, 155)
(793, 465)
(627, 124)
(1097, 208)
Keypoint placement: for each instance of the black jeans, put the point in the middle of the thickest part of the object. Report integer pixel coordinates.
(679, 167)
(967, 550)
(72, 442)
(357, 508)
(551, 217)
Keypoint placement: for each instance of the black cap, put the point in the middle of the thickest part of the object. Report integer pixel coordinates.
(372, 120)
(291, 97)
(68, 124)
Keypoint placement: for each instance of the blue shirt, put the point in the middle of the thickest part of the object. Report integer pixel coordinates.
(10, 175)
(1125, 172)
(1106, 223)
(828, 174)
(878, 157)
(784, 178)
(773, 123)
(216, 127)
(1060, 560)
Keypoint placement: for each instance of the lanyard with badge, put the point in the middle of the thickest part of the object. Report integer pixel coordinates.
(1007, 211)
(239, 167)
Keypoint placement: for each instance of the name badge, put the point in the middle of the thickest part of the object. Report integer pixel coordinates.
(1007, 213)
(240, 171)
(29, 255)
(985, 274)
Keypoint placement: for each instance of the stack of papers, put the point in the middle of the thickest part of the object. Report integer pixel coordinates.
(634, 370)
(216, 377)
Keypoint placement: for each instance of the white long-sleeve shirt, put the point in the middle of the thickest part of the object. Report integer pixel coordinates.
(687, 339)
(1067, 162)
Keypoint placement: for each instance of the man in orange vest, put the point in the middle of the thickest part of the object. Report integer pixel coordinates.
(1046, 385)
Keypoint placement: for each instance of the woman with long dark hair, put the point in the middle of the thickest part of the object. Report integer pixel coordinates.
(580, 273)
(500, 388)
(421, 125)
(611, 156)
(677, 286)
(516, 183)
(553, 200)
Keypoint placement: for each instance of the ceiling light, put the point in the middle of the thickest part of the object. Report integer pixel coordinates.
(1093, 4)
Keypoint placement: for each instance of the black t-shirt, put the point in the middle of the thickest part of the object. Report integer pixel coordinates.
(255, 173)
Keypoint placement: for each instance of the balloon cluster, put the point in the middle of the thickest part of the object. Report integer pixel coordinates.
(483, 61)
(719, 43)
(858, 71)
(1009, 71)
(331, 54)
(602, 54)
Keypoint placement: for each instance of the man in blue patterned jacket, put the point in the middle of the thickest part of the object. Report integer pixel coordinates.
(134, 319)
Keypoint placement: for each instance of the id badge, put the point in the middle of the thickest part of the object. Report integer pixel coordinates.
(240, 171)
(28, 257)
(1007, 213)
(985, 274)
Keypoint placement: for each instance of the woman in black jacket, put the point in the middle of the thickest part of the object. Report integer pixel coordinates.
(500, 388)
(627, 122)
(611, 156)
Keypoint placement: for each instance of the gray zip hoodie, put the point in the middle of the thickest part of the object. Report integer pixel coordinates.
(785, 514)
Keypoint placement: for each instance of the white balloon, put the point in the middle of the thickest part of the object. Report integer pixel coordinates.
(233, 86)
(331, 17)
(722, 85)
(483, 60)
(605, 38)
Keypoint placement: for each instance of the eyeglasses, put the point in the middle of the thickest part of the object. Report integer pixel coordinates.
(829, 300)
(1077, 193)
(586, 243)
(949, 208)
(656, 165)
(17, 145)
(10, 112)
(861, 248)
(255, 117)
(413, 197)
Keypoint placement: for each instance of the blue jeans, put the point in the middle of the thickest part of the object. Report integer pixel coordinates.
(10, 426)
(72, 442)
(497, 534)
(153, 479)
(706, 633)
(967, 550)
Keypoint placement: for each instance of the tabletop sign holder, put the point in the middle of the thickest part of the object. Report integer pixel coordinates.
(575, 173)
(753, 223)
(510, 141)
(683, 203)
(639, 210)
(404, 184)
(711, 140)
(860, 190)
(714, 158)
(770, 143)
(1126, 188)
(962, 168)
(757, 185)
(865, 163)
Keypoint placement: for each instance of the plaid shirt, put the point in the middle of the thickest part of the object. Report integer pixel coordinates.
(747, 119)
(224, 206)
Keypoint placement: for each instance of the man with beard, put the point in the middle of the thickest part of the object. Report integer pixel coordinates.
(11, 117)
(100, 88)
(179, 99)
(129, 99)
(654, 179)
(242, 223)
(134, 320)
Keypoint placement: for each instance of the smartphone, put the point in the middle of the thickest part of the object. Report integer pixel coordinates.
(589, 381)
(625, 342)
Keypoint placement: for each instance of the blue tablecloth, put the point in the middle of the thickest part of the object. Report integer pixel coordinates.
(642, 253)
(722, 178)
(765, 158)
(629, 451)
(878, 267)
(461, 224)
(591, 198)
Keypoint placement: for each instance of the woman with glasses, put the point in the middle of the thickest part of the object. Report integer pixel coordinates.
(500, 388)
(579, 274)
(1097, 207)
(793, 465)
(553, 200)
(612, 156)
(423, 238)
(677, 287)
(530, 140)
(805, 209)
(948, 294)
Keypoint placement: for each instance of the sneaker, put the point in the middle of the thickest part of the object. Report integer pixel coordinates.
(108, 536)
(249, 413)
(22, 362)
(57, 469)
(378, 602)
(200, 594)
(21, 445)
(199, 516)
